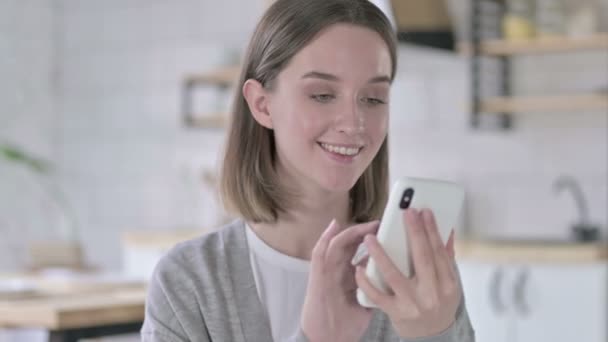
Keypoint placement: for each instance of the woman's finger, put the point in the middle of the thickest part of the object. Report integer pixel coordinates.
(352, 235)
(393, 277)
(440, 253)
(343, 246)
(360, 254)
(422, 253)
(450, 246)
(363, 261)
(382, 300)
(320, 249)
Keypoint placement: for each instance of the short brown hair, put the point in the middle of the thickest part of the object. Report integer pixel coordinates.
(249, 184)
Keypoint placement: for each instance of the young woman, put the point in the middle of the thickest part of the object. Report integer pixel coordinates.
(305, 169)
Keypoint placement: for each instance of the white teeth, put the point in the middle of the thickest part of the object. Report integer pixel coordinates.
(347, 151)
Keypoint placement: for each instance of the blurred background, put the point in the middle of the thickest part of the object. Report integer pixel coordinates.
(113, 116)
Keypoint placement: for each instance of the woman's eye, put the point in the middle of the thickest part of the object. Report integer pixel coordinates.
(323, 98)
(373, 101)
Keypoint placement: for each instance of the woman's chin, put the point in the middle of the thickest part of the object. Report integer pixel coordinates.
(339, 185)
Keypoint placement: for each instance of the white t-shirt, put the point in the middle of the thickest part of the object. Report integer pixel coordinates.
(281, 282)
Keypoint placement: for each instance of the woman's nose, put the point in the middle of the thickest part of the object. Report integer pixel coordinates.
(350, 120)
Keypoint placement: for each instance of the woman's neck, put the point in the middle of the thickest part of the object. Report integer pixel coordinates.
(296, 232)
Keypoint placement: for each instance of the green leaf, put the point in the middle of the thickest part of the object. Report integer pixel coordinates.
(18, 156)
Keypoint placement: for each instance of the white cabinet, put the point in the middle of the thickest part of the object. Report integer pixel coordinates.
(531, 302)
(482, 285)
(562, 303)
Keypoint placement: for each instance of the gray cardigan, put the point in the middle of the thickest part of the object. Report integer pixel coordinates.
(204, 290)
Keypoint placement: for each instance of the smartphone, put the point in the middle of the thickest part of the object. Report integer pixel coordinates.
(444, 198)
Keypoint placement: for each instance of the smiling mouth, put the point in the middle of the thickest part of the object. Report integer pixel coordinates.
(348, 151)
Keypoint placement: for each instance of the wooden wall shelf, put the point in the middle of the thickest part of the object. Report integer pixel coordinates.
(553, 103)
(538, 46)
(503, 54)
(211, 121)
(222, 78)
(225, 76)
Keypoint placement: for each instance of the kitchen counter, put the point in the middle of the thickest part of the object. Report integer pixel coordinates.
(160, 239)
(532, 251)
(74, 307)
(491, 250)
(74, 310)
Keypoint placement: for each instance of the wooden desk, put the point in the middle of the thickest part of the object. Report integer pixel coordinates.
(532, 251)
(73, 313)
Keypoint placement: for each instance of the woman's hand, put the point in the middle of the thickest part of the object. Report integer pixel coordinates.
(331, 311)
(426, 303)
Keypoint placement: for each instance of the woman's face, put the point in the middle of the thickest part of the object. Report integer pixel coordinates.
(329, 107)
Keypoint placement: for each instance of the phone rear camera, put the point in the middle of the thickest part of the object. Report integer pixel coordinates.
(406, 198)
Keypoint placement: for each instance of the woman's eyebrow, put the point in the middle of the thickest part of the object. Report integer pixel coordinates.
(334, 78)
(321, 75)
(380, 79)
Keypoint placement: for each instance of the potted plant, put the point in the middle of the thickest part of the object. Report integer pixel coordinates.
(63, 250)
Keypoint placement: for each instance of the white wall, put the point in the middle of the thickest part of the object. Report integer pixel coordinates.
(128, 163)
(27, 119)
(509, 174)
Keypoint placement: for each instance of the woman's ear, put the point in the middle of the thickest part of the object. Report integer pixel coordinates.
(257, 99)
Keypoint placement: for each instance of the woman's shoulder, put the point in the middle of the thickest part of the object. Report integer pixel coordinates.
(206, 253)
(194, 278)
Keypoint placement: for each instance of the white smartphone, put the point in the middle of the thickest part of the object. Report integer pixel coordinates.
(444, 198)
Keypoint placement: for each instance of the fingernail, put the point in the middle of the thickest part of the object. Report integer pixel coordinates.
(359, 255)
(330, 227)
(332, 224)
